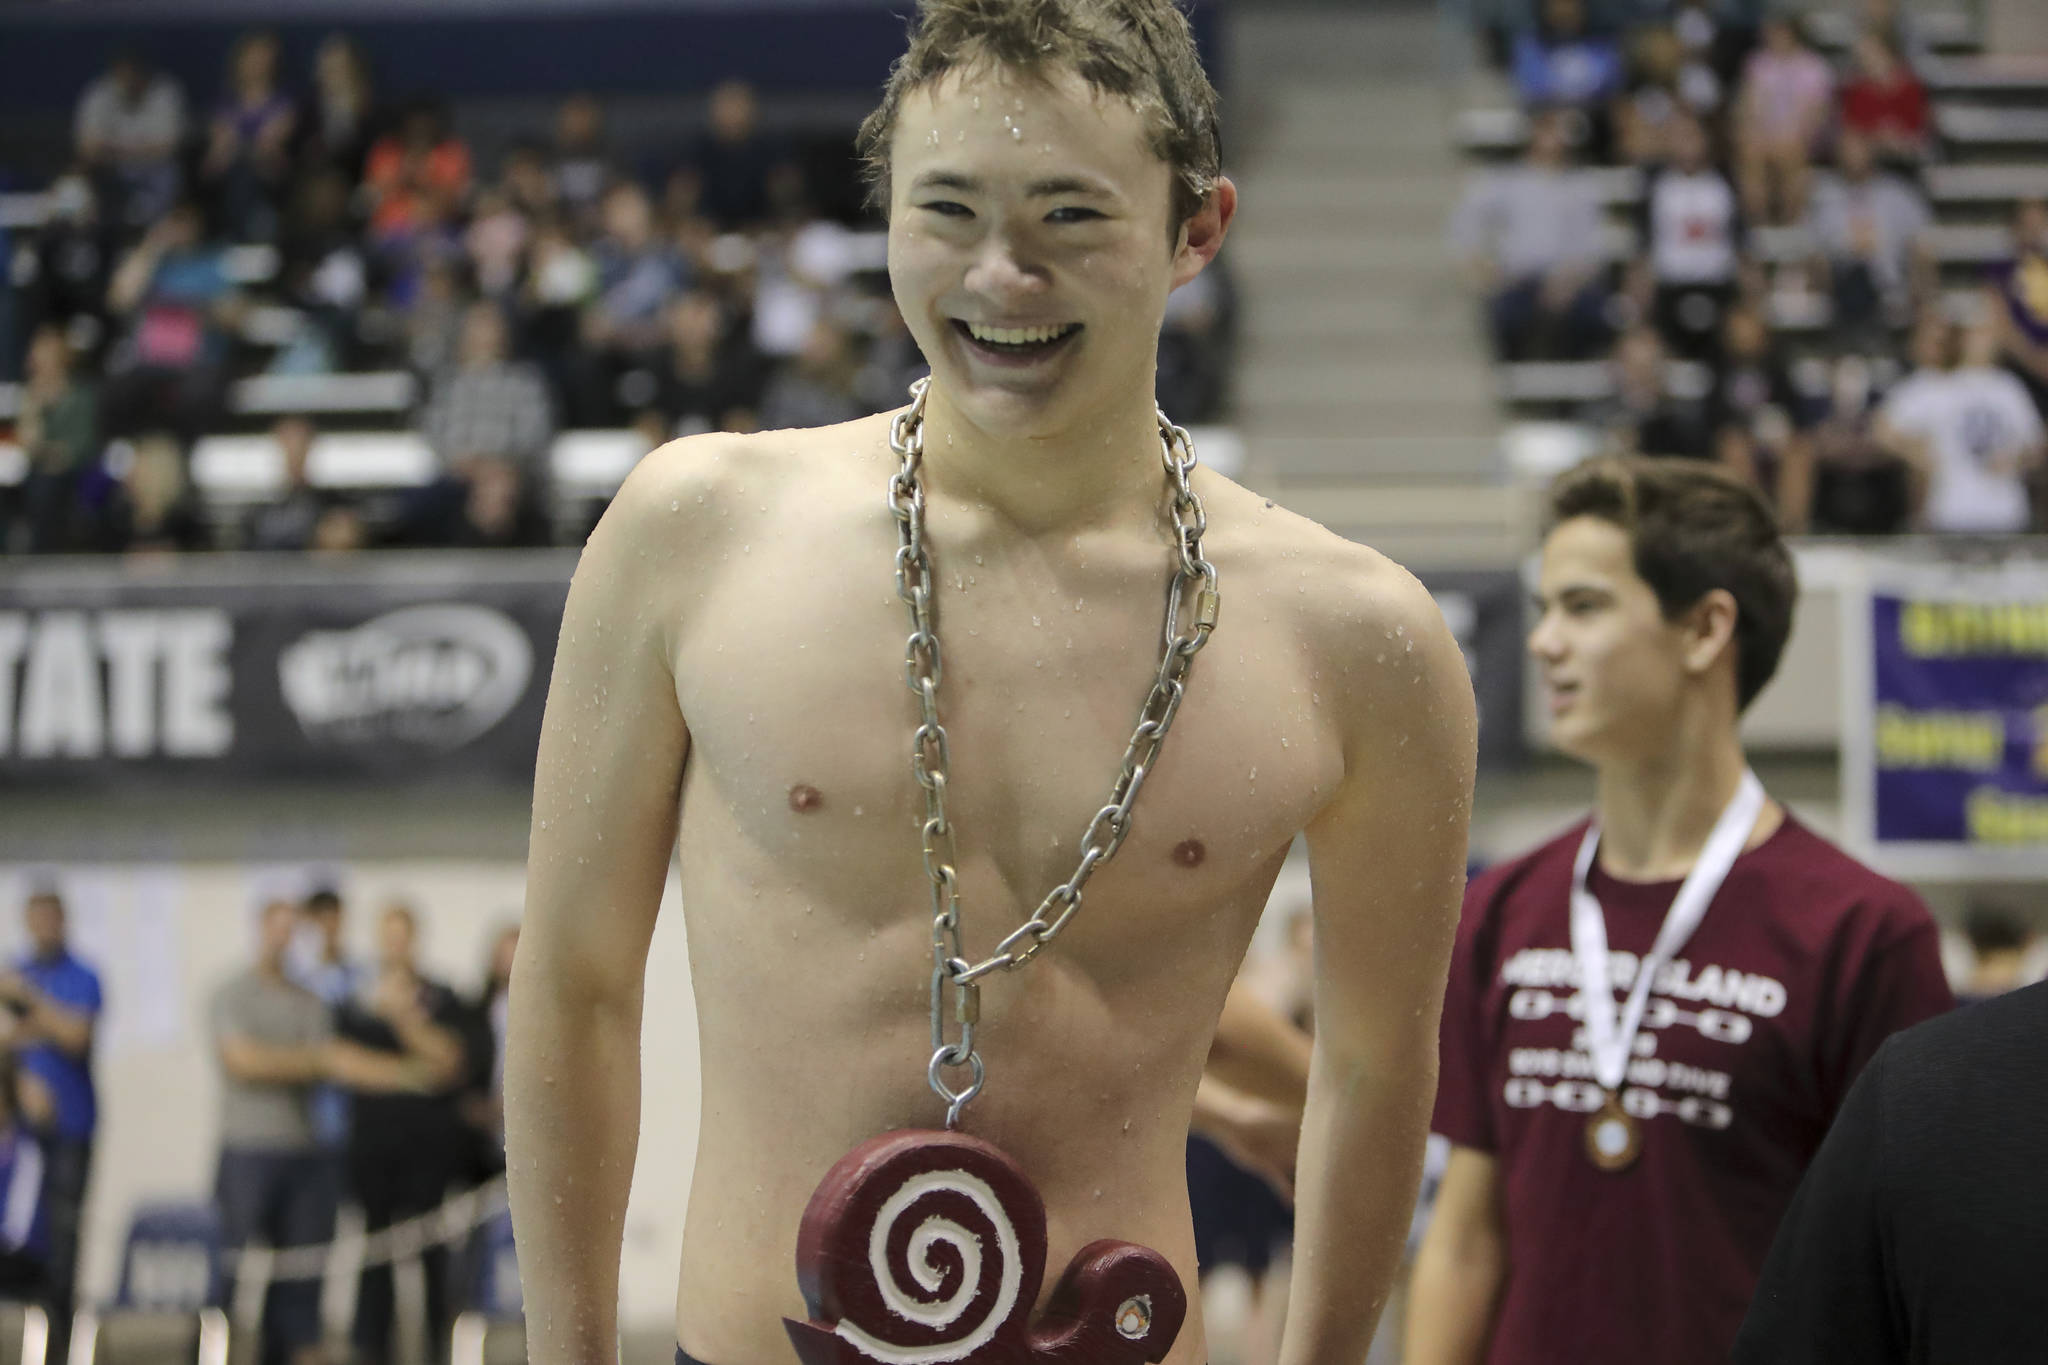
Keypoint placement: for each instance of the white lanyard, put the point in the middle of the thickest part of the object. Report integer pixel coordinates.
(1608, 1040)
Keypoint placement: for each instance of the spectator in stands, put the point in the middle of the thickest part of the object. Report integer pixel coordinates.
(341, 117)
(404, 1148)
(638, 275)
(1781, 116)
(1648, 413)
(561, 279)
(177, 306)
(2021, 308)
(433, 317)
(1693, 231)
(2002, 952)
(1971, 436)
(582, 160)
(129, 128)
(248, 151)
(1907, 31)
(68, 263)
(274, 1184)
(58, 427)
(1859, 487)
(496, 243)
(710, 378)
(483, 1104)
(1665, 80)
(1761, 424)
(1871, 228)
(416, 178)
(24, 1217)
(1716, 34)
(1561, 63)
(56, 1001)
(289, 521)
(733, 161)
(817, 389)
(528, 183)
(150, 507)
(322, 964)
(490, 422)
(1531, 237)
(324, 273)
(1885, 102)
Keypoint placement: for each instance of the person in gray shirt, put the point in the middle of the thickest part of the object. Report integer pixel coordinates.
(1531, 234)
(1870, 229)
(277, 1185)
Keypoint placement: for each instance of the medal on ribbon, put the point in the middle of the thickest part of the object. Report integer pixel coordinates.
(928, 1247)
(1614, 1136)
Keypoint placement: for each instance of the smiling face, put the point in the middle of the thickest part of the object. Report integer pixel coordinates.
(1613, 667)
(1030, 246)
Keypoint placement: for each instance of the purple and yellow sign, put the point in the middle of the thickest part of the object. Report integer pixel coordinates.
(1959, 724)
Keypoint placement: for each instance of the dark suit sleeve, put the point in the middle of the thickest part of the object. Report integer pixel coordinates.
(1826, 1296)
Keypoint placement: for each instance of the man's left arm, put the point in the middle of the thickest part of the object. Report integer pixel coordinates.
(68, 1026)
(1387, 866)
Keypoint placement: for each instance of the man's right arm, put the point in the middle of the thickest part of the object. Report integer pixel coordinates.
(606, 794)
(1461, 1267)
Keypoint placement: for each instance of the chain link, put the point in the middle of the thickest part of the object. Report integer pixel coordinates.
(1194, 580)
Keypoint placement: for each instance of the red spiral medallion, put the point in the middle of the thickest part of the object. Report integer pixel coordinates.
(928, 1248)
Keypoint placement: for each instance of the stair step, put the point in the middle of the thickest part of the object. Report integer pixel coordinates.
(1460, 458)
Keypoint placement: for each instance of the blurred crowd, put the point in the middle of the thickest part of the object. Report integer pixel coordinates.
(1776, 184)
(344, 1082)
(313, 227)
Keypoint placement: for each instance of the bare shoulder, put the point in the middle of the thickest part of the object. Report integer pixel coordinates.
(685, 500)
(1355, 605)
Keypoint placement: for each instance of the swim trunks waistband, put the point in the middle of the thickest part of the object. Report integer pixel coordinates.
(685, 1358)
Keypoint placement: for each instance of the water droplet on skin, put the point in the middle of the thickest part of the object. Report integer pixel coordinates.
(1078, 601)
(977, 101)
(1017, 133)
(1034, 620)
(676, 506)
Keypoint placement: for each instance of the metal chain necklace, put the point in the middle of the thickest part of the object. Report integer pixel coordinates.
(951, 968)
(922, 1246)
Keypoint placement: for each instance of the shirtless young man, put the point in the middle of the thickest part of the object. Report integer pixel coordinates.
(733, 658)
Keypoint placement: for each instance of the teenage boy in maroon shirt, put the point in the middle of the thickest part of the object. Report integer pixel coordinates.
(1615, 1227)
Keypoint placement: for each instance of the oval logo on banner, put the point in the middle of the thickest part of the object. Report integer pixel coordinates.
(436, 676)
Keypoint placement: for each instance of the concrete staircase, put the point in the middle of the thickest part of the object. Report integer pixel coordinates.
(1365, 392)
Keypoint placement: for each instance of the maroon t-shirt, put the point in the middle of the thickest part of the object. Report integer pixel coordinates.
(1806, 961)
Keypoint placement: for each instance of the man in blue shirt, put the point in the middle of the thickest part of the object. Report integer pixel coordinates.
(56, 1000)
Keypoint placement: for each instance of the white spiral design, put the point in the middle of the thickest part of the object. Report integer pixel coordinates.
(937, 1230)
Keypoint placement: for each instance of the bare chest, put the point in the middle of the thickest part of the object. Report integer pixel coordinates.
(792, 679)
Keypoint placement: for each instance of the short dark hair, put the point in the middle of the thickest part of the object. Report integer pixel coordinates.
(324, 900)
(1139, 50)
(1692, 529)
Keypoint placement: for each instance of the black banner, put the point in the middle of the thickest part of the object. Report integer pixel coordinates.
(250, 668)
(383, 668)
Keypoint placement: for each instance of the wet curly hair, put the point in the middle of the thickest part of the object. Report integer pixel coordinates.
(1138, 50)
